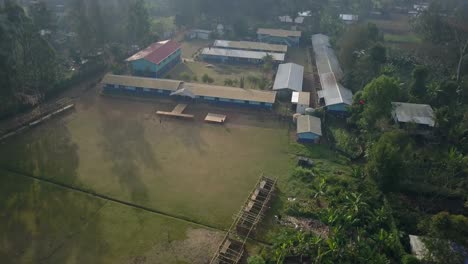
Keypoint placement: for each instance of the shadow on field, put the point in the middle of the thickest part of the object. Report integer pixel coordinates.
(39, 222)
(124, 144)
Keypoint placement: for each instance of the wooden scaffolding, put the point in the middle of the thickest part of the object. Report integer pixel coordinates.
(232, 247)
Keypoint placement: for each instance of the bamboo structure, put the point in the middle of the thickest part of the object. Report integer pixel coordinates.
(232, 248)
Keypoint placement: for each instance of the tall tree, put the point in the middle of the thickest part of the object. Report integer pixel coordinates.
(138, 25)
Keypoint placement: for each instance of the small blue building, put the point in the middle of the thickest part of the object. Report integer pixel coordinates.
(290, 38)
(309, 129)
(156, 60)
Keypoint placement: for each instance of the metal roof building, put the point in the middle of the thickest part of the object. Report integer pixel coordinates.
(254, 56)
(309, 128)
(335, 96)
(250, 45)
(301, 100)
(289, 77)
(161, 87)
(420, 114)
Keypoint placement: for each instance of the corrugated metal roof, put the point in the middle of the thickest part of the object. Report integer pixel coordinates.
(156, 52)
(150, 83)
(349, 17)
(329, 73)
(302, 98)
(413, 113)
(247, 54)
(309, 124)
(250, 45)
(279, 32)
(288, 19)
(179, 87)
(289, 76)
(231, 92)
(333, 92)
(201, 31)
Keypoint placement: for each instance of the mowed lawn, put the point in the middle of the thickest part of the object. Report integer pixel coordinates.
(119, 148)
(43, 223)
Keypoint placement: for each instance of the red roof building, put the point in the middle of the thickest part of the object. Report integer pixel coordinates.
(157, 59)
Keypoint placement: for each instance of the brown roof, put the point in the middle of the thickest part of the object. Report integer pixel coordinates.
(231, 92)
(150, 83)
(156, 52)
(279, 32)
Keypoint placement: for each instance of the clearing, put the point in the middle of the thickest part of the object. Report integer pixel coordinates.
(119, 148)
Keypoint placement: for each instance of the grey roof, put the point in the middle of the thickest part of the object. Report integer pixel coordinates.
(349, 17)
(418, 248)
(413, 113)
(201, 31)
(250, 45)
(289, 76)
(143, 82)
(333, 92)
(247, 54)
(329, 72)
(309, 124)
(288, 19)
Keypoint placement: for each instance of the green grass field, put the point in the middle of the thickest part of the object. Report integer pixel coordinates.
(43, 223)
(219, 72)
(120, 149)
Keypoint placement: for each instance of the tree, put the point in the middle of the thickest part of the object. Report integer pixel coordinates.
(418, 86)
(374, 102)
(446, 235)
(41, 15)
(444, 23)
(388, 160)
(138, 26)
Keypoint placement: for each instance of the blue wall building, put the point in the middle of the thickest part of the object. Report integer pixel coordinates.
(156, 60)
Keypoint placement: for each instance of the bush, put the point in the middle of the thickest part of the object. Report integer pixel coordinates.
(255, 260)
(185, 76)
(228, 82)
(195, 78)
(409, 259)
(207, 79)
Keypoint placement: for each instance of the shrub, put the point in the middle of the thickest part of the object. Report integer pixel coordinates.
(409, 259)
(207, 79)
(255, 260)
(195, 78)
(185, 76)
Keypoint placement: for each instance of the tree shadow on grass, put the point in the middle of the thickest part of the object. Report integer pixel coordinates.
(125, 145)
(40, 222)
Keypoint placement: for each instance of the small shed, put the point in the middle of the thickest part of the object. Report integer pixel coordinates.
(349, 18)
(301, 100)
(309, 129)
(199, 34)
(420, 114)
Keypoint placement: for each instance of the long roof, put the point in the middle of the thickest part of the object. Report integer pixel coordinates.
(247, 54)
(414, 113)
(279, 32)
(250, 45)
(289, 76)
(309, 124)
(192, 88)
(231, 92)
(143, 82)
(156, 52)
(330, 72)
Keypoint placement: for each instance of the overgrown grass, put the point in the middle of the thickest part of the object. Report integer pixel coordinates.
(219, 72)
(402, 38)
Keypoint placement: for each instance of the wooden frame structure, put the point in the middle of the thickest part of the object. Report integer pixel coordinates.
(232, 248)
(177, 112)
